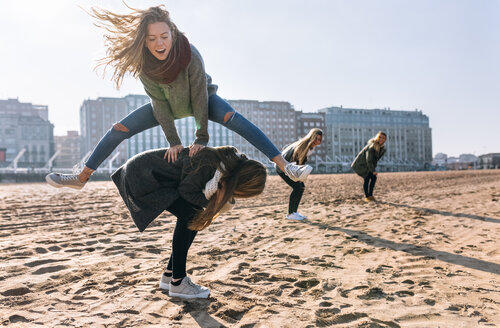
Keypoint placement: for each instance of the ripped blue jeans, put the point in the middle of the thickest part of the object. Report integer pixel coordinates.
(142, 119)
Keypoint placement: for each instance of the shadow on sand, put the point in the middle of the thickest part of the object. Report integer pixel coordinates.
(444, 213)
(414, 250)
(198, 309)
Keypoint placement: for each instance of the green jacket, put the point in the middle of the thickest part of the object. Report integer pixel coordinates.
(367, 160)
(186, 96)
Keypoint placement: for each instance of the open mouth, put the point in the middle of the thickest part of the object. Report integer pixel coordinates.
(161, 52)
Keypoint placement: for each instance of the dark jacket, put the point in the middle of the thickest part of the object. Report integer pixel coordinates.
(287, 155)
(149, 184)
(367, 160)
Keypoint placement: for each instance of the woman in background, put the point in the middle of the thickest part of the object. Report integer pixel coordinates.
(366, 162)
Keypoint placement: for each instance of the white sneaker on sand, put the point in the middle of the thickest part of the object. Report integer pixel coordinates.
(59, 180)
(302, 215)
(297, 172)
(188, 289)
(165, 281)
(295, 216)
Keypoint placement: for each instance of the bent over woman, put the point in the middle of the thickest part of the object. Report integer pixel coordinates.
(298, 152)
(366, 162)
(148, 45)
(195, 190)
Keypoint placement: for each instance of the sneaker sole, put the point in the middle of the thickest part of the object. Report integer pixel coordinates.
(202, 295)
(164, 286)
(301, 219)
(57, 185)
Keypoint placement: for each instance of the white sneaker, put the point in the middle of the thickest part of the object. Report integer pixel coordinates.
(295, 216)
(302, 215)
(165, 281)
(59, 180)
(297, 172)
(188, 289)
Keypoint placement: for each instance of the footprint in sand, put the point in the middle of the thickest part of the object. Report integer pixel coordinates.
(50, 269)
(17, 291)
(41, 262)
(17, 318)
(41, 250)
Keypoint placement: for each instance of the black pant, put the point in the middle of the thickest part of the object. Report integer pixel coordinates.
(369, 184)
(296, 195)
(183, 237)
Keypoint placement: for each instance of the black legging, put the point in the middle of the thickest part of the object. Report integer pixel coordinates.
(183, 237)
(296, 195)
(369, 184)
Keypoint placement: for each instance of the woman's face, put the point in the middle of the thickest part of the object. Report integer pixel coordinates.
(381, 139)
(317, 141)
(159, 40)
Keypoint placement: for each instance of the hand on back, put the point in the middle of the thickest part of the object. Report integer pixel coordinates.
(172, 152)
(194, 148)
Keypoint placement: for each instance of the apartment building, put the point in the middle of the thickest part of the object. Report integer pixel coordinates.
(24, 127)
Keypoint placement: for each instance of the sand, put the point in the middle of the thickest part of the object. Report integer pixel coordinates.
(426, 254)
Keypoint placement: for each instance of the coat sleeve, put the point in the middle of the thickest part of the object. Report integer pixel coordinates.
(382, 153)
(161, 110)
(199, 97)
(370, 159)
(287, 153)
(191, 186)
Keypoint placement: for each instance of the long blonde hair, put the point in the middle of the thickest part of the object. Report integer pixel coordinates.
(242, 178)
(303, 145)
(126, 38)
(375, 140)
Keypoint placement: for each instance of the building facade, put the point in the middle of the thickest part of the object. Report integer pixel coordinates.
(96, 118)
(489, 161)
(25, 127)
(409, 138)
(276, 119)
(68, 150)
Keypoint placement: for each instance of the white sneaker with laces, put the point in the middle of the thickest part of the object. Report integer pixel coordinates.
(188, 289)
(165, 281)
(302, 215)
(59, 180)
(297, 172)
(295, 216)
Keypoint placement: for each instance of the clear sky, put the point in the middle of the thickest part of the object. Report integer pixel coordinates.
(441, 57)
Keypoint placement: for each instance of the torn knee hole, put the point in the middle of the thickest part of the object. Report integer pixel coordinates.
(120, 127)
(228, 116)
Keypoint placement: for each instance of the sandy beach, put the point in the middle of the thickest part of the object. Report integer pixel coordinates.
(426, 254)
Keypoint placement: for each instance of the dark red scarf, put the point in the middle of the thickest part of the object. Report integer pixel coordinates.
(166, 71)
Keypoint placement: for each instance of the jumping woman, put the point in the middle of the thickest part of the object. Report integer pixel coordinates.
(149, 46)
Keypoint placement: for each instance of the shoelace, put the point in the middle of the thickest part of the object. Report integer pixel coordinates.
(291, 170)
(69, 178)
(192, 284)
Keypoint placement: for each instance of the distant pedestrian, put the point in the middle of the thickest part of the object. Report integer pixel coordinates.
(366, 163)
(298, 152)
